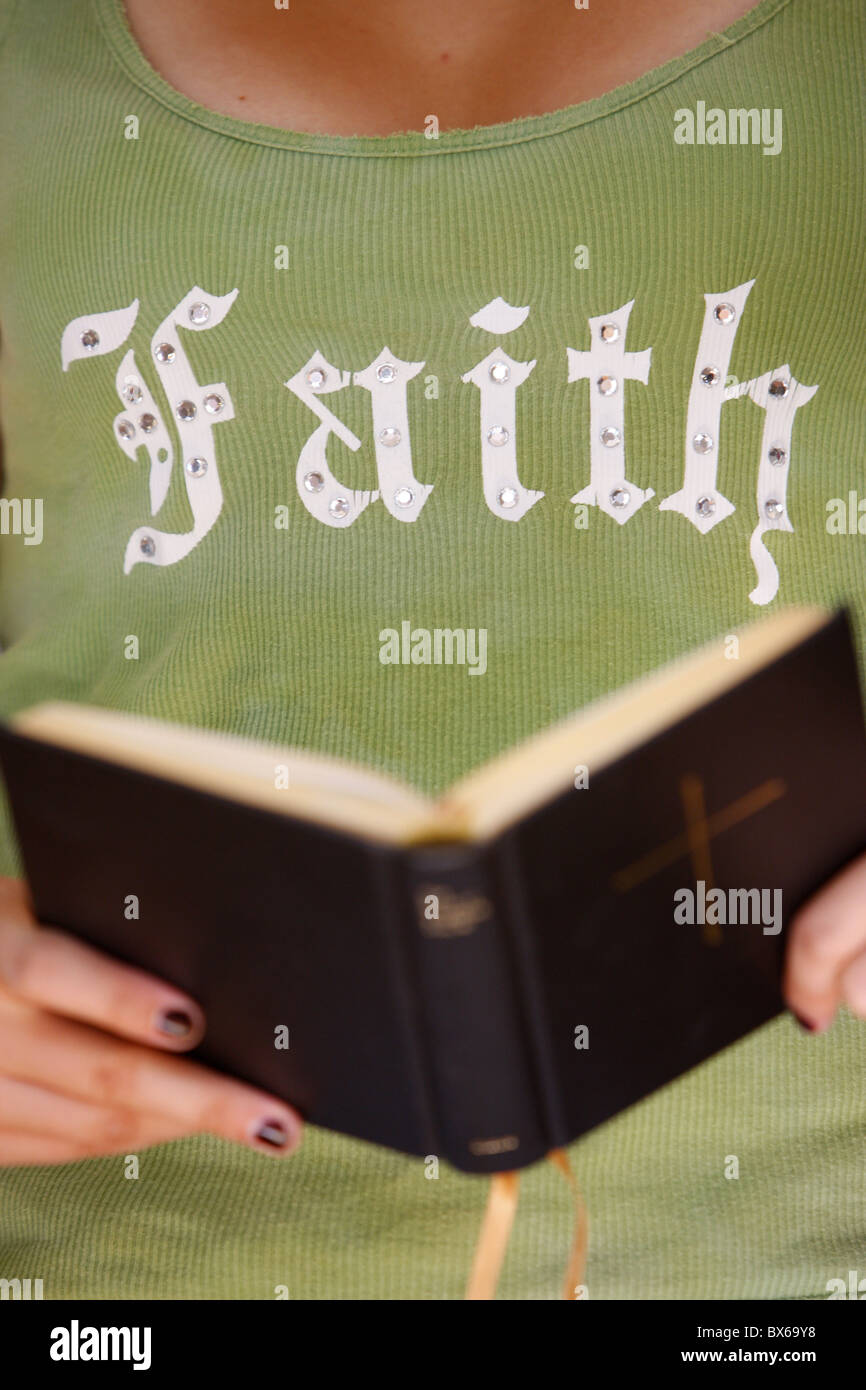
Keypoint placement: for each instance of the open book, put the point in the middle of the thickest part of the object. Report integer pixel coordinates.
(487, 975)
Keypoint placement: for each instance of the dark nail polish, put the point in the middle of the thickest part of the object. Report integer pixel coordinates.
(175, 1023)
(273, 1132)
(804, 1023)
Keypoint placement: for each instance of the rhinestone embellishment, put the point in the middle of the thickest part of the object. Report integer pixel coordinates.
(148, 423)
(196, 468)
(620, 497)
(724, 313)
(126, 429)
(147, 545)
(164, 352)
(778, 387)
(777, 456)
(186, 410)
(313, 482)
(199, 313)
(610, 436)
(404, 497)
(705, 506)
(773, 509)
(316, 378)
(702, 443)
(90, 339)
(389, 436)
(607, 385)
(499, 371)
(609, 332)
(498, 436)
(213, 404)
(339, 507)
(387, 372)
(710, 376)
(507, 497)
(131, 391)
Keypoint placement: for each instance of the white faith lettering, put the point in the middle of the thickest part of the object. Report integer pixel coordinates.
(497, 377)
(196, 409)
(322, 494)
(386, 379)
(93, 335)
(780, 396)
(606, 366)
(141, 423)
(699, 499)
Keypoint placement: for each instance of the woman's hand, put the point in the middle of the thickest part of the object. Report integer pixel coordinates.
(826, 958)
(84, 1068)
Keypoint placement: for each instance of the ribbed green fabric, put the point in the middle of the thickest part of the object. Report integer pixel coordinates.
(273, 633)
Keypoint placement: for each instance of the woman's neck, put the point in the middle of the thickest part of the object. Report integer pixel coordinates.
(344, 68)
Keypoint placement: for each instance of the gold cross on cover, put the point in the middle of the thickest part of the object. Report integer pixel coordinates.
(694, 841)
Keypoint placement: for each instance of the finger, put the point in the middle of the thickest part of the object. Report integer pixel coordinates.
(93, 1129)
(79, 1061)
(853, 985)
(825, 936)
(56, 972)
(19, 1149)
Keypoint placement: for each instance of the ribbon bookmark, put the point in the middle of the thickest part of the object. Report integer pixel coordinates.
(496, 1226)
(493, 1237)
(575, 1270)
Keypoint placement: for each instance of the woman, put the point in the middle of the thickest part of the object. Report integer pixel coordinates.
(221, 188)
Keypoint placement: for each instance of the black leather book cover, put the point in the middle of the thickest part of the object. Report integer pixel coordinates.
(269, 923)
(761, 797)
(553, 984)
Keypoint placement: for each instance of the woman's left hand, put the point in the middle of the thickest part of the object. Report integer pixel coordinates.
(826, 958)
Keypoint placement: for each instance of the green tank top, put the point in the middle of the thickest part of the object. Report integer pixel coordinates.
(590, 383)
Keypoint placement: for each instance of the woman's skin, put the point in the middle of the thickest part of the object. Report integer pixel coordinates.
(85, 1067)
(347, 68)
(85, 1064)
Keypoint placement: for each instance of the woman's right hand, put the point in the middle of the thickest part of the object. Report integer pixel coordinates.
(85, 1056)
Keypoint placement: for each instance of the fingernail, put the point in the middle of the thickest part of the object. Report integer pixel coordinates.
(805, 1023)
(175, 1023)
(273, 1133)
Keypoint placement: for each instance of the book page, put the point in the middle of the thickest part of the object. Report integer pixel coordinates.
(512, 786)
(334, 793)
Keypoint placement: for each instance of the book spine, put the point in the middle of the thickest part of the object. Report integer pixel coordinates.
(488, 1109)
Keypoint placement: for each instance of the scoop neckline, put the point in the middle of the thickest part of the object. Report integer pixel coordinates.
(125, 48)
